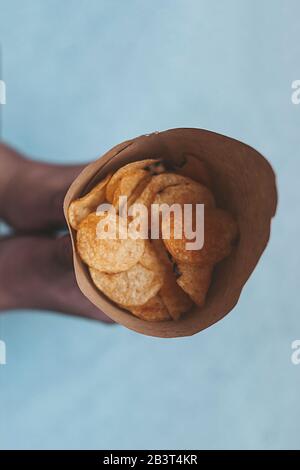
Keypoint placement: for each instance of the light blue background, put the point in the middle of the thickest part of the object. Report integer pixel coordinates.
(83, 76)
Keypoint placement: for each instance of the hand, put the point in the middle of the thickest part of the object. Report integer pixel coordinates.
(36, 270)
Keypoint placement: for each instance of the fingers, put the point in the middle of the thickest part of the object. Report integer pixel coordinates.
(10, 161)
(76, 303)
(63, 252)
(32, 192)
(36, 273)
(7, 151)
(31, 198)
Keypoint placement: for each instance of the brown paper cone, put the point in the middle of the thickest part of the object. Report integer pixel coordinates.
(243, 182)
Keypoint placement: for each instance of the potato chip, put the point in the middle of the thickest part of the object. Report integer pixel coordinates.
(174, 298)
(195, 281)
(138, 190)
(125, 171)
(110, 255)
(150, 259)
(128, 184)
(189, 193)
(133, 287)
(153, 310)
(81, 208)
(195, 169)
(158, 183)
(156, 280)
(220, 230)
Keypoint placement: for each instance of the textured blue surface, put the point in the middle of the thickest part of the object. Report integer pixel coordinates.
(81, 77)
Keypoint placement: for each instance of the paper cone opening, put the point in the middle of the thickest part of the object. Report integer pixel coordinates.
(243, 182)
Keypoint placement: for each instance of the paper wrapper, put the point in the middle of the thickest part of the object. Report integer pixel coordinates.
(243, 182)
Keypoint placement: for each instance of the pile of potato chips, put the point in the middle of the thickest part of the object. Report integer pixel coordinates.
(155, 279)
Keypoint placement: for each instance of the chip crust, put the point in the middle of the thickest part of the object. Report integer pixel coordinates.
(195, 281)
(189, 193)
(128, 184)
(125, 171)
(220, 230)
(153, 310)
(133, 287)
(159, 183)
(82, 207)
(150, 259)
(108, 255)
(174, 298)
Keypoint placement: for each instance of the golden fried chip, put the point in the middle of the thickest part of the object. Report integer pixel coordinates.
(133, 287)
(150, 259)
(195, 169)
(195, 281)
(138, 190)
(159, 183)
(87, 204)
(174, 298)
(153, 310)
(128, 184)
(110, 255)
(189, 193)
(220, 230)
(125, 171)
